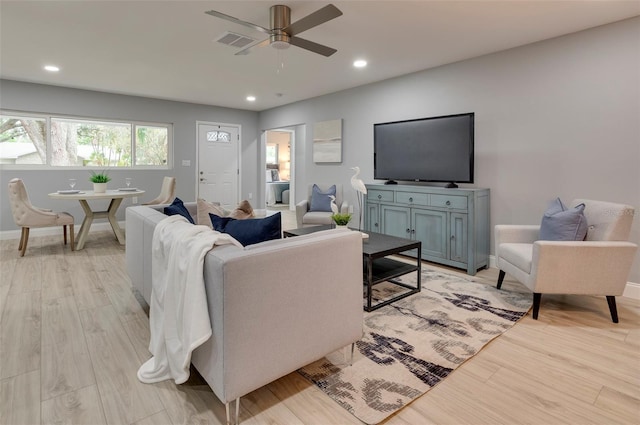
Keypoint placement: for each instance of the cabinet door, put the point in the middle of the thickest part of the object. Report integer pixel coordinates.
(396, 221)
(372, 217)
(431, 229)
(458, 243)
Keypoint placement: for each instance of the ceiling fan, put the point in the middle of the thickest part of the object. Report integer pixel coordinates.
(283, 33)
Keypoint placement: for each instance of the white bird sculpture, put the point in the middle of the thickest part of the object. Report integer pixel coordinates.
(361, 190)
(356, 183)
(334, 207)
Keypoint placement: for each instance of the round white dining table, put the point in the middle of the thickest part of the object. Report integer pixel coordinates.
(84, 196)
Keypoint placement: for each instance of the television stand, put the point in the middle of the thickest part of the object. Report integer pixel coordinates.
(451, 185)
(391, 182)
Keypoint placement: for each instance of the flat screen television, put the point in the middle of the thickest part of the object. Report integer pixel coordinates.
(435, 149)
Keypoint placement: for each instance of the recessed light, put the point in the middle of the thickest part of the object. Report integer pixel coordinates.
(360, 63)
(251, 98)
(51, 68)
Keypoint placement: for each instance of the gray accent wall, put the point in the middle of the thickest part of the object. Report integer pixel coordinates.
(555, 118)
(28, 97)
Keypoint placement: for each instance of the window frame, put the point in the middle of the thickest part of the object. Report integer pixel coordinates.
(134, 124)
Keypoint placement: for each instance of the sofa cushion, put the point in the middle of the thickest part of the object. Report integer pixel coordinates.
(518, 254)
(562, 224)
(249, 232)
(177, 207)
(205, 208)
(320, 200)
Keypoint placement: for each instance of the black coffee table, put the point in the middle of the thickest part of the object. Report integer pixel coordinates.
(376, 267)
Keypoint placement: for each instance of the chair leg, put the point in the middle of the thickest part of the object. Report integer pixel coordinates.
(64, 233)
(21, 239)
(611, 300)
(25, 236)
(500, 279)
(72, 238)
(536, 304)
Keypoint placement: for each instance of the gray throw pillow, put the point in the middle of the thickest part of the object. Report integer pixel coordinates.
(320, 200)
(562, 224)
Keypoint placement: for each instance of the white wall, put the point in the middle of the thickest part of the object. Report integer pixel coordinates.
(28, 97)
(554, 118)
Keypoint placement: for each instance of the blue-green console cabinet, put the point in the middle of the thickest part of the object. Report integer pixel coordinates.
(452, 224)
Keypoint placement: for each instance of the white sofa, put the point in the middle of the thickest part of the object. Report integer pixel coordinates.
(274, 306)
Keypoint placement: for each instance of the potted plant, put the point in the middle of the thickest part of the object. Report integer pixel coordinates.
(341, 220)
(99, 181)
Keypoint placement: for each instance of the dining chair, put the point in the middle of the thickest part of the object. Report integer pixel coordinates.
(167, 192)
(26, 216)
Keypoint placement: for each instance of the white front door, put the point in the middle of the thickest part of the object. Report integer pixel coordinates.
(218, 164)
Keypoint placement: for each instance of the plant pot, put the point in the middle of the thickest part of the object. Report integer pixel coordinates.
(99, 187)
(341, 226)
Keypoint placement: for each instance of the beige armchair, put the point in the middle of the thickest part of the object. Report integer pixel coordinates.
(600, 265)
(167, 192)
(27, 216)
(305, 217)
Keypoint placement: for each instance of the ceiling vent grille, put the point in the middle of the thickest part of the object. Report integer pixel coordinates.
(235, 40)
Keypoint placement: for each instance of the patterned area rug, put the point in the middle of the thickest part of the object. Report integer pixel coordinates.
(412, 344)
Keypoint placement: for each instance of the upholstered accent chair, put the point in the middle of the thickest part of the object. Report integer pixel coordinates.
(599, 265)
(305, 217)
(27, 216)
(167, 192)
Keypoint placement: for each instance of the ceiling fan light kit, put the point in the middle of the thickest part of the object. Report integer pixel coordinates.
(282, 33)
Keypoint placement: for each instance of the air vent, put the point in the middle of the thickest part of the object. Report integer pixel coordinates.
(235, 40)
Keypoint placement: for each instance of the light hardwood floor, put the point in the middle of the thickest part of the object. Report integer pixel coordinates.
(72, 337)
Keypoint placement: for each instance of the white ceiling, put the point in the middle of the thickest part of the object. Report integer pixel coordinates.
(166, 49)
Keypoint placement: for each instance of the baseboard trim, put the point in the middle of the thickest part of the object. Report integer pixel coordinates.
(632, 290)
(56, 230)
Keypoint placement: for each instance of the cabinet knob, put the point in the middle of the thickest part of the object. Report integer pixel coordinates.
(410, 199)
(379, 196)
(413, 231)
(453, 236)
(376, 224)
(408, 231)
(448, 202)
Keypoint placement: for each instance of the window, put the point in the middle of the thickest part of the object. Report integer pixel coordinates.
(23, 140)
(77, 142)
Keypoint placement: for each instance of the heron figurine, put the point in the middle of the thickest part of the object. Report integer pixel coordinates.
(334, 206)
(361, 190)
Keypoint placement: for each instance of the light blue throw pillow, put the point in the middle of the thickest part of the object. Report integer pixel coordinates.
(320, 200)
(562, 224)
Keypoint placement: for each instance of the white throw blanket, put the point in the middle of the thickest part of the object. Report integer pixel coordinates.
(179, 317)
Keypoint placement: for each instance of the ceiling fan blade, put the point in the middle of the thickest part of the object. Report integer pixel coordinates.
(246, 50)
(237, 21)
(311, 46)
(316, 18)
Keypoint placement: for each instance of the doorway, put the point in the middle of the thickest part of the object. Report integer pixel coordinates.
(218, 163)
(279, 145)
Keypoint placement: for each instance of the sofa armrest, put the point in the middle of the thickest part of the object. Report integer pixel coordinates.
(578, 267)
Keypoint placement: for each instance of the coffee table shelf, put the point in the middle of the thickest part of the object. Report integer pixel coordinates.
(385, 269)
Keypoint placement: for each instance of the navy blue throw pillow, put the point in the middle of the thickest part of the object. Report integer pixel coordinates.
(177, 207)
(251, 230)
